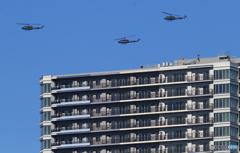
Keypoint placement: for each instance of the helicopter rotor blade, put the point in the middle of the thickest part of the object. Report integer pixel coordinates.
(29, 24)
(119, 38)
(166, 13)
(23, 23)
(124, 37)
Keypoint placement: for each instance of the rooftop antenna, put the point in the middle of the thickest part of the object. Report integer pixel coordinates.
(198, 57)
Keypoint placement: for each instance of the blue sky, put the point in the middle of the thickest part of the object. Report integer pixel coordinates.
(79, 37)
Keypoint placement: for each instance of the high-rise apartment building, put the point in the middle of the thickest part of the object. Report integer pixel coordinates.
(185, 108)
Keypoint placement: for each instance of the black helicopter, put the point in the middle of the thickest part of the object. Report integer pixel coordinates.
(28, 27)
(125, 41)
(172, 17)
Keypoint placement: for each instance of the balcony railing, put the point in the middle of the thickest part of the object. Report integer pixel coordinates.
(138, 110)
(143, 96)
(181, 150)
(68, 86)
(68, 142)
(68, 100)
(68, 114)
(139, 138)
(198, 149)
(142, 82)
(135, 125)
(200, 106)
(69, 128)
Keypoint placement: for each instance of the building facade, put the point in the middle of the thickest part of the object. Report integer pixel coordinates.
(189, 107)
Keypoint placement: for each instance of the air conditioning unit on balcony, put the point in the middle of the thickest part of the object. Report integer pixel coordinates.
(201, 91)
(200, 148)
(200, 105)
(193, 135)
(200, 76)
(200, 119)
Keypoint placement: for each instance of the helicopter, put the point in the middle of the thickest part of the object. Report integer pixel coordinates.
(125, 41)
(28, 27)
(172, 17)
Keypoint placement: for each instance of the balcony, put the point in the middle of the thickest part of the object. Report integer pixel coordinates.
(142, 82)
(68, 86)
(165, 123)
(70, 144)
(79, 100)
(69, 116)
(83, 128)
(138, 138)
(199, 149)
(182, 150)
(200, 106)
(138, 110)
(153, 95)
(132, 97)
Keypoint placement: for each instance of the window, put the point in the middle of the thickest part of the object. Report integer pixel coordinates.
(113, 82)
(176, 91)
(98, 138)
(225, 74)
(122, 82)
(45, 116)
(98, 124)
(176, 148)
(45, 144)
(219, 144)
(225, 131)
(97, 110)
(45, 102)
(140, 80)
(225, 88)
(45, 88)
(233, 75)
(225, 117)
(98, 96)
(176, 106)
(233, 89)
(45, 130)
(170, 78)
(98, 82)
(225, 102)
